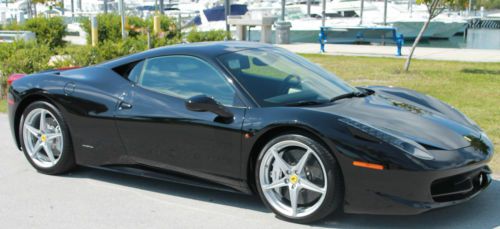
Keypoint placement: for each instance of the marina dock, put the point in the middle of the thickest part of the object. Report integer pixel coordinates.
(448, 54)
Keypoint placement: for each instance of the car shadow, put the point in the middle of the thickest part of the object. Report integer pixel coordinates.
(480, 212)
(170, 188)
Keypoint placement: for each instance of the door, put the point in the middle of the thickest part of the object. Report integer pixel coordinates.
(159, 131)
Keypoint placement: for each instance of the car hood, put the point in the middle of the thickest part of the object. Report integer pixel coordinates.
(411, 115)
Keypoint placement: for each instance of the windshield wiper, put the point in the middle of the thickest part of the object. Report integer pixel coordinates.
(362, 93)
(304, 103)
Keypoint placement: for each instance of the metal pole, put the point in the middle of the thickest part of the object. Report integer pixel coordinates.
(361, 12)
(469, 8)
(156, 25)
(105, 6)
(122, 13)
(282, 10)
(149, 39)
(323, 13)
(62, 7)
(385, 12)
(227, 11)
(94, 31)
(30, 12)
(162, 7)
(308, 8)
(410, 7)
(179, 21)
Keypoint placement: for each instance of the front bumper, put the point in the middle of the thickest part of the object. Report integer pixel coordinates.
(404, 192)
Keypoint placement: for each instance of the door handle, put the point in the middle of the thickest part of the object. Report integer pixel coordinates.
(124, 105)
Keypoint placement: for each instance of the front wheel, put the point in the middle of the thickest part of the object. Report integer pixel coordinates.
(45, 139)
(298, 179)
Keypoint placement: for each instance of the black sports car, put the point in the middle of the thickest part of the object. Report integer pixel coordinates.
(253, 118)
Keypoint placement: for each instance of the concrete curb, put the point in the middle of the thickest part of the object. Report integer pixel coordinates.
(425, 53)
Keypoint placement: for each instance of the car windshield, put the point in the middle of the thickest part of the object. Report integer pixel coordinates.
(276, 77)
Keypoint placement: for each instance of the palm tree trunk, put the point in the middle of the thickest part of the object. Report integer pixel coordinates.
(415, 43)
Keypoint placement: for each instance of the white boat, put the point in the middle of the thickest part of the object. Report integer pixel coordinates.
(406, 16)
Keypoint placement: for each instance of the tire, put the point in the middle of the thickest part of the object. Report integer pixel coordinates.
(328, 187)
(53, 137)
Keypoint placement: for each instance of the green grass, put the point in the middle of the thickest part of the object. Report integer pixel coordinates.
(473, 88)
(3, 105)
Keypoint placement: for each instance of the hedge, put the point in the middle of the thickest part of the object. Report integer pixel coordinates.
(34, 56)
(48, 31)
(109, 28)
(213, 35)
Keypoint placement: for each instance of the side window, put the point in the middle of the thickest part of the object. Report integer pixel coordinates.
(184, 77)
(136, 71)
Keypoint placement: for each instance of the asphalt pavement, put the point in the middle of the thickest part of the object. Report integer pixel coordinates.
(90, 198)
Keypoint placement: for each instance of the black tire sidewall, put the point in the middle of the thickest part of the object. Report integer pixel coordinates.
(67, 161)
(334, 194)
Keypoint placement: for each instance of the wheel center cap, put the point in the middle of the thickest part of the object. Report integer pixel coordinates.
(43, 138)
(294, 179)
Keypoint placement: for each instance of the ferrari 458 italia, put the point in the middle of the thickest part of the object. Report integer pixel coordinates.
(253, 118)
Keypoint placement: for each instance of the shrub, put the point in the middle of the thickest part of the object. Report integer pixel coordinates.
(213, 35)
(22, 57)
(13, 25)
(109, 28)
(49, 31)
(87, 55)
(27, 57)
(168, 28)
(76, 55)
(136, 26)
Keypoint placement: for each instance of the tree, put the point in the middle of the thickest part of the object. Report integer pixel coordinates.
(434, 8)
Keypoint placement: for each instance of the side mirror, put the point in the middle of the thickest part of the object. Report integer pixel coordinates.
(203, 103)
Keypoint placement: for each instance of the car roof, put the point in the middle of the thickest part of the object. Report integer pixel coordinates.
(208, 50)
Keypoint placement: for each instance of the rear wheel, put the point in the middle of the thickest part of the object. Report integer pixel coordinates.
(45, 139)
(298, 179)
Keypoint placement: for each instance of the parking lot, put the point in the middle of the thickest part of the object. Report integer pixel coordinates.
(89, 198)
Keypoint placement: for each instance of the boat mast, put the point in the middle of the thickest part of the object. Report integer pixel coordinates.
(308, 8)
(162, 7)
(361, 12)
(227, 11)
(122, 13)
(385, 12)
(282, 10)
(323, 13)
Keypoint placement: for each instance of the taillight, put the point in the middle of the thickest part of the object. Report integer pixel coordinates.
(14, 77)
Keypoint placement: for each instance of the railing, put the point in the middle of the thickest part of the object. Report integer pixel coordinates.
(361, 35)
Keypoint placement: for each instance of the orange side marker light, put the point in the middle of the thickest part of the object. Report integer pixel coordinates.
(368, 165)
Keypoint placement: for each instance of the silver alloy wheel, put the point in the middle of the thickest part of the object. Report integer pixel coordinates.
(43, 138)
(283, 184)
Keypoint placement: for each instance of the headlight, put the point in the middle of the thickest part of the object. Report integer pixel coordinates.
(487, 140)
(406, 145)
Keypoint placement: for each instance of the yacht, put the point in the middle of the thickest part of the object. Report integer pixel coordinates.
(406, 16)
